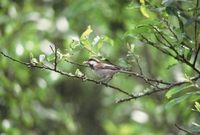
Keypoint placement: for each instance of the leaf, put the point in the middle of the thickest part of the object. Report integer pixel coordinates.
(171, 10)
(85, 39)
(175, 90)
(34, 61)
(51, 57)
(108, 40)
(79, 73)
(42, 58)
(176, 101)
(87, 32)
(138, 30)
(197, 106)
(143, 10)
(142, 1)
(189, 55)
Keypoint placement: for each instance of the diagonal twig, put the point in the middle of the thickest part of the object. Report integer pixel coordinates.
(184, 130)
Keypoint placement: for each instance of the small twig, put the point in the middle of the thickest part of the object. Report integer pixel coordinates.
(169, 43)
(184, 130)
(178, 57)
(196, 55)
(55, 51)
(67, 74)
(154, 90)
(83, 78)
(75, 63)
(158, 48)
(56, 57)
(170, 29)
(137, 61)
(197, 45)
(195, 15)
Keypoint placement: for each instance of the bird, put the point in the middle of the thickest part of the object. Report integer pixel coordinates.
(103, 70)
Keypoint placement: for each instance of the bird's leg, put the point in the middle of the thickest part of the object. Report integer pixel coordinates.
(105, 79)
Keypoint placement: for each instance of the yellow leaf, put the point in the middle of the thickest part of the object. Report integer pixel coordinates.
(144, 11)
(142, 2)
(87, 32)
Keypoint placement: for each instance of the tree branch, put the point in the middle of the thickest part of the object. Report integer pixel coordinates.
(197, 45)
(84, 78)
(184, 130)
(154, 90)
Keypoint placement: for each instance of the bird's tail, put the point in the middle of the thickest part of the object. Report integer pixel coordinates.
(128, 72)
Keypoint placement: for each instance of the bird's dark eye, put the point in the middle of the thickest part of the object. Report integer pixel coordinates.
(91, 66)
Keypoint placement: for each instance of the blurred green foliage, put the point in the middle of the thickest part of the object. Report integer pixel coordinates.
(38, 102)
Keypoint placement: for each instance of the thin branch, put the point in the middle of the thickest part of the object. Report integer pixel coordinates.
(196, 55)
(196, 24)
(75, 63)
(83, 78)
(184, 130)
(178, 57)
(154, 90)
(197, 45)
(158, 48)
(138, 63)
(55, 51)
(162, 35)
(141, 76)
(170, 29)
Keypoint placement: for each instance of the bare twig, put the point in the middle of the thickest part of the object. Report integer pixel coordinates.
(55, 51)
(184, 130)
(196, 55)
(155, 90)
(178, 57)
(197, 45)
(84, 78)
(75, 63)
(169, 43)
(170, 29)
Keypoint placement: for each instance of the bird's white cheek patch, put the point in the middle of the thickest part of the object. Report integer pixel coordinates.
(94, 63)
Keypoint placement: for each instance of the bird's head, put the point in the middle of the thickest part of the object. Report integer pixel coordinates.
(92, 62)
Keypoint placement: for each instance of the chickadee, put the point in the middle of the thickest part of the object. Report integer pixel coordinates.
(104, 70)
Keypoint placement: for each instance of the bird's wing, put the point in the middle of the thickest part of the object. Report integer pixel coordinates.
(108, 66)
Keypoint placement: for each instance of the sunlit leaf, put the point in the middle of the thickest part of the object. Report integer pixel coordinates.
(176, 101)
(34, 61)
(42, 58)
(197, 106)
(79, 73)
(51, 57)
(142, 1)
(87, 32)
(144, 11)
(175, 90)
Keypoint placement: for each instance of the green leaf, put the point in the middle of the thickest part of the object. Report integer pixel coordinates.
(176, 101)
(85, 38)
(171, 10)
(175, 90)
(138, 30)
(79, 73)
(34, 61)
(108, 40)
(42, 58)
(197, 106)
(51, 57)
(87, 32)
(99, 41)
